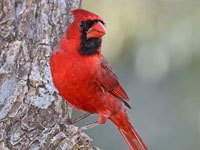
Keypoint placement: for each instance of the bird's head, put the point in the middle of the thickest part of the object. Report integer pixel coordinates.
(88, 29)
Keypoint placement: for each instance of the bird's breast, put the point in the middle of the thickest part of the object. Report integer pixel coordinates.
(74, 75)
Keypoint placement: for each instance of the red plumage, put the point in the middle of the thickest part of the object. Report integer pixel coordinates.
(84, 78)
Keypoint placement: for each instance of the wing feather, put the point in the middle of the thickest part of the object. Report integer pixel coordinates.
(109, 81)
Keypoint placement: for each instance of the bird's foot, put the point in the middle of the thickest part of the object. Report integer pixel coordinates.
(89, 126)
(101, 120)
(73, 121)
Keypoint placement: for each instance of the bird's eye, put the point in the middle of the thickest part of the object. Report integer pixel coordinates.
(82, 24)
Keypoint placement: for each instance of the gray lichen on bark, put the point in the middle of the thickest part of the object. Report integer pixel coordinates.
(32, 114)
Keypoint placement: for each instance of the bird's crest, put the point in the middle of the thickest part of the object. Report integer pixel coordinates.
(84, 15)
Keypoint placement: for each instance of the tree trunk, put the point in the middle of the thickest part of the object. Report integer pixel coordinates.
(32, 114)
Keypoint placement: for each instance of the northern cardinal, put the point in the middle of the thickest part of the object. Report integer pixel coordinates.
(85, 79)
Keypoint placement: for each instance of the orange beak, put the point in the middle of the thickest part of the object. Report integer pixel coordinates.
(96, 31)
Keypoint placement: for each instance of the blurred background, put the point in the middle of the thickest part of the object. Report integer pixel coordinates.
(154, 47)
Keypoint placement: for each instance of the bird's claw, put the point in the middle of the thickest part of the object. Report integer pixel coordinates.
(89, 126)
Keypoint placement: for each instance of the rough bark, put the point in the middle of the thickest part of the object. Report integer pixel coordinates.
(32, 114)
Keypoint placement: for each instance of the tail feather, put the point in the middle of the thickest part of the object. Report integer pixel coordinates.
(135, 143)
(126, 129)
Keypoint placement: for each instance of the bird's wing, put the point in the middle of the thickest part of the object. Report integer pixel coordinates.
(109, 81)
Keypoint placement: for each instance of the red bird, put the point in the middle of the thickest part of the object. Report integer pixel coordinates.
(85, 79)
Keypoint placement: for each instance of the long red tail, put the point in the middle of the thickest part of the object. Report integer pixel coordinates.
(129, 134)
